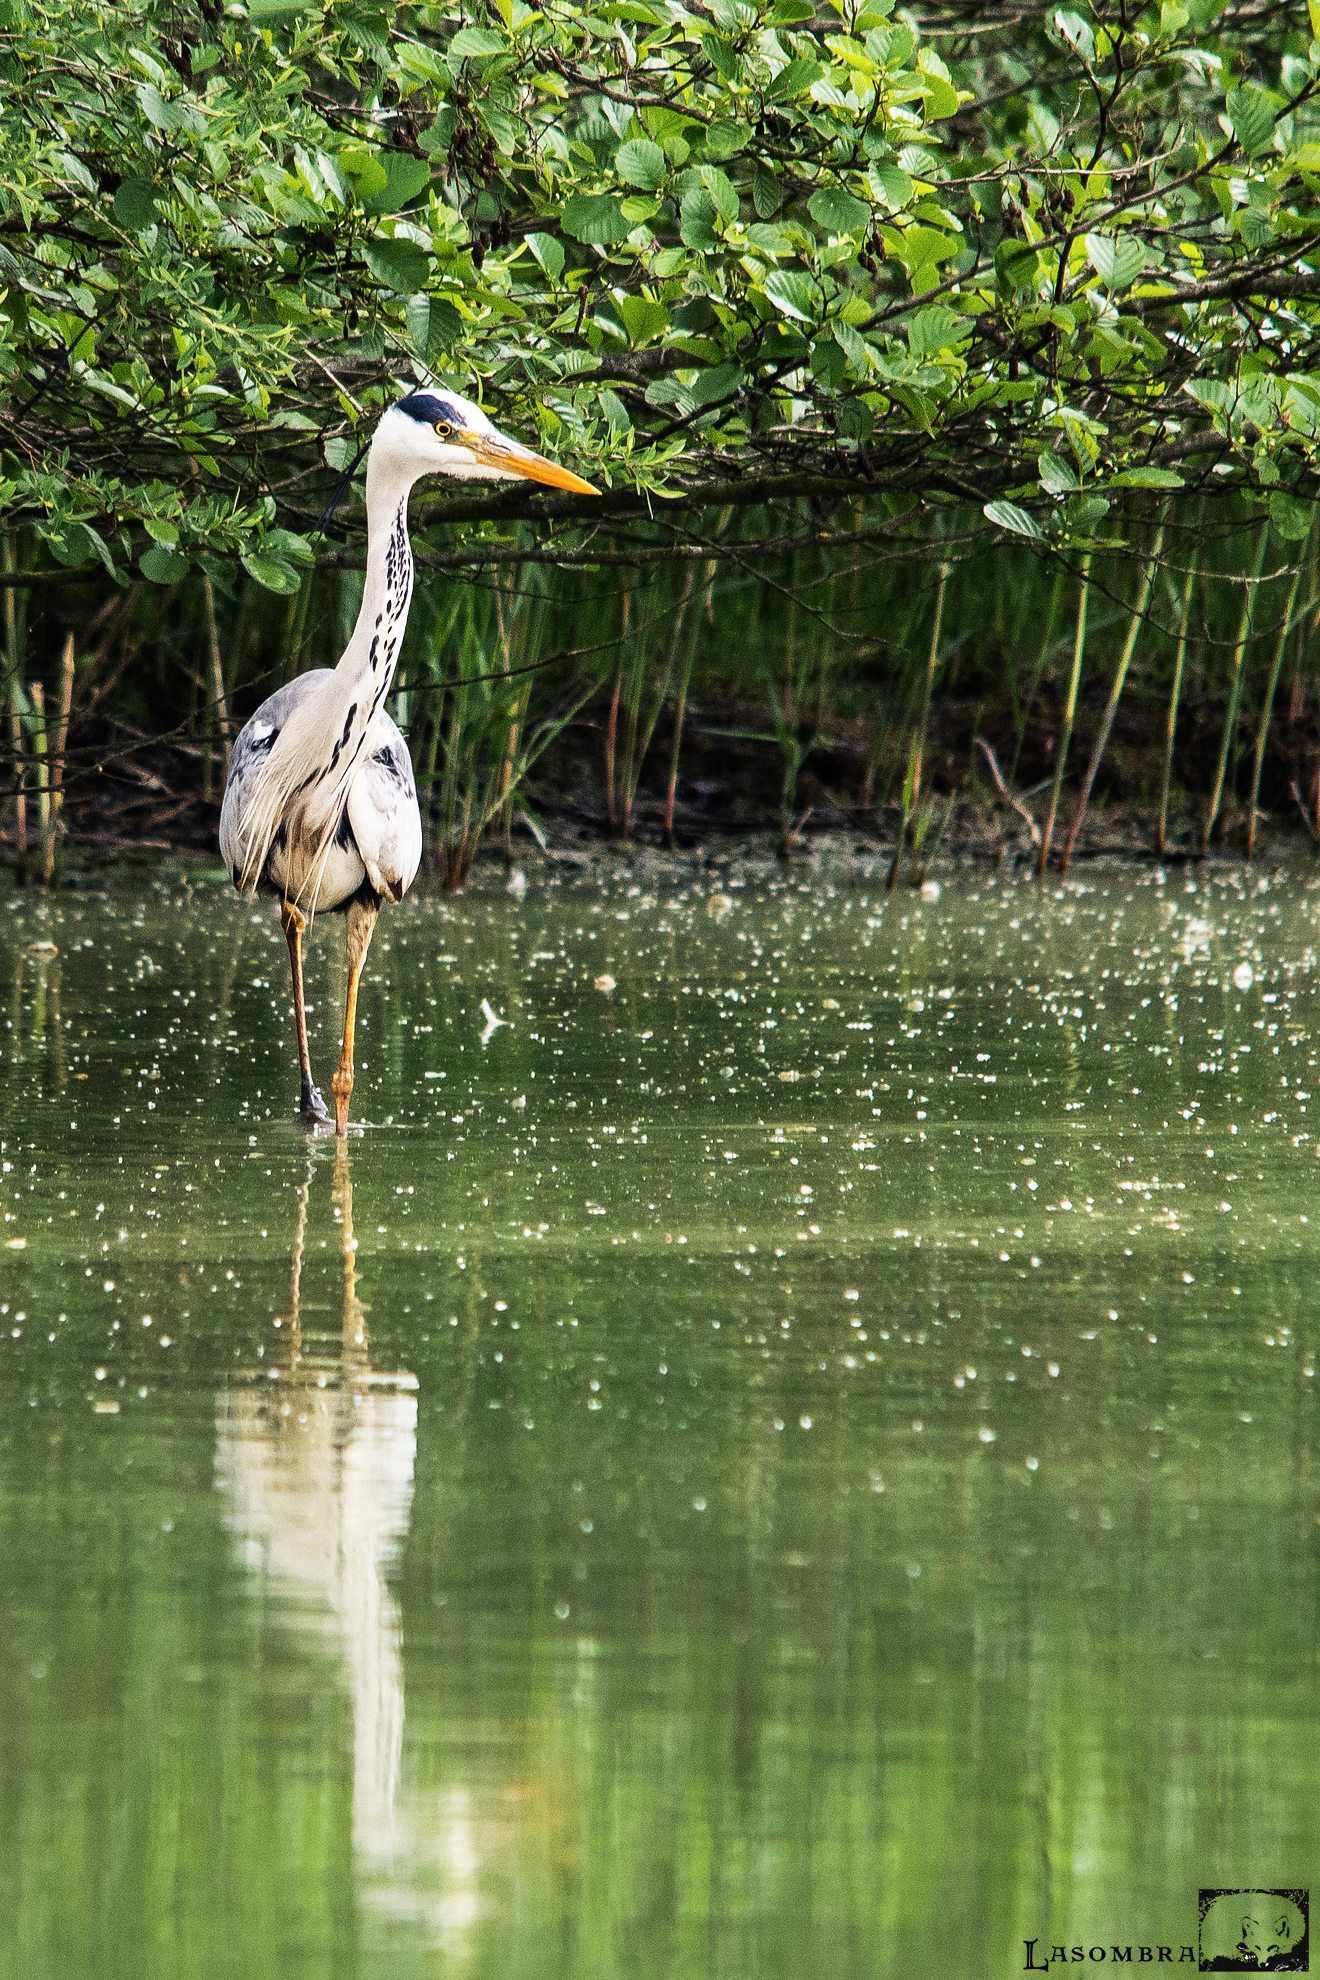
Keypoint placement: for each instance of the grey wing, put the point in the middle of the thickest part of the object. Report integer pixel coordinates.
(248, 759)
(383, 813)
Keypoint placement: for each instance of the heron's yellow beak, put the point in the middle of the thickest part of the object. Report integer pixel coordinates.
(508, 457)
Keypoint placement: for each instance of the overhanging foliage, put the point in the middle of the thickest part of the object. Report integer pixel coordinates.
(1025, 260)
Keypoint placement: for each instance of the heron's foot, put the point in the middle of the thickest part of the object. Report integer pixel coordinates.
(312, 1109)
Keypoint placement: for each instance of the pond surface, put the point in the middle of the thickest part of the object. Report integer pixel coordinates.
(794, 1453)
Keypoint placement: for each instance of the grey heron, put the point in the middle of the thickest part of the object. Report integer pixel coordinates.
(320, 806)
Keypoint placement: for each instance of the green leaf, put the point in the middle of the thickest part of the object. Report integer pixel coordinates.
(549, 252)
(852, 344)
(1255, 227)
(155, 109)
(1017, 267)
(616, 413)
(1007, 515)
(474, 43)
(163, 566)
(1147, 477)
(1251, 113)
(641, 163)
(642, 319)
(722, 58)
(1084, 514)
(919, 247)
(364, 169)
(438, 139)
(433, 325)
(596, 218)
(288, 545)
(1291, 518)
(1076, 31)
(941, 98)
(795, 295)
(135, 204)
(1117, 259)
(400, 265)
(838, 212)
(936, 329)
(891, 185)
(766, 193)
(695, 220)
(271, 573)
(725, 137)
(793, 80)
(716, 383)
(504, 130)
(1056, 477)
(405, 177)
(75, 542)
(723, 192)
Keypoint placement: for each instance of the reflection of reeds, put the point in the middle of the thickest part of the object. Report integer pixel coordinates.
(871, 711)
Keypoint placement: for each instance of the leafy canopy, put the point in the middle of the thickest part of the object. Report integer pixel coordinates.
(716, 251)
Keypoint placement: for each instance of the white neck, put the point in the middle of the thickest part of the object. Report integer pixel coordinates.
(373, 650)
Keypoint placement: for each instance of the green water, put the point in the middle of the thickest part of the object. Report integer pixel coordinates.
(794, 1454)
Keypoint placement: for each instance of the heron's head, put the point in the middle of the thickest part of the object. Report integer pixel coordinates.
(440, 433)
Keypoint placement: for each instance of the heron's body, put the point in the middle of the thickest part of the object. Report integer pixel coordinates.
(320, 806)
(378, 840)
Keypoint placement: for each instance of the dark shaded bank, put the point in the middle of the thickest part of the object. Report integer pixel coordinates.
(945, 691)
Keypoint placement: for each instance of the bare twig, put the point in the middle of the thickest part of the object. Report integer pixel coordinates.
(993, 762)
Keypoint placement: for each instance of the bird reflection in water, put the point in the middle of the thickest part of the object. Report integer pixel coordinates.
(315, 1453)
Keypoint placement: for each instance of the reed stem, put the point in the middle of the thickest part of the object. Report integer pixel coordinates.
(1069, 716)
(1144, 584)
(1263, 731)
(1252, 586)
(1171, 721)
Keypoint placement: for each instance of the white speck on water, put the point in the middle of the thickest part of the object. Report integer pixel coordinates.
(562, 1611)
(1244, 976)
(986, 1434)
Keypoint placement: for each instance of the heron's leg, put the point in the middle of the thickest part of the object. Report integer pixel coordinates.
(312, 1106)
(360, 923)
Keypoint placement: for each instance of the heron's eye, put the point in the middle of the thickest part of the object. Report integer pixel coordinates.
(443, 429)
